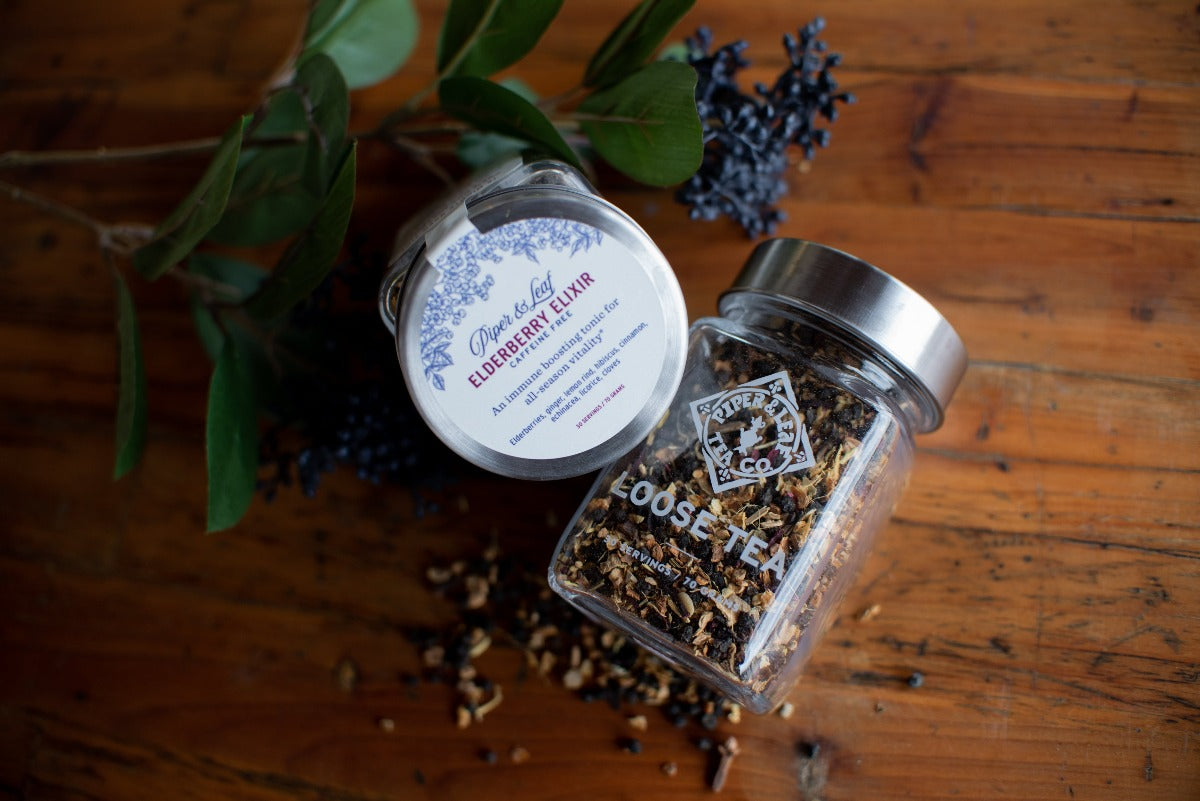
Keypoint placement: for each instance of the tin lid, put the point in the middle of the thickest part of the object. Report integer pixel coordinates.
(869, 305)
(506, 173)
(540, 331)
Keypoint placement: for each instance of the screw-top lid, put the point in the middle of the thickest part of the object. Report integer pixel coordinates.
(869, 305)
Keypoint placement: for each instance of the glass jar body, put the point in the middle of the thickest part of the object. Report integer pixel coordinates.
(726, 539)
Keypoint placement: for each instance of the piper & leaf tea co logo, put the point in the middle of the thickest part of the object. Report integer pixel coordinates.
(752, 431)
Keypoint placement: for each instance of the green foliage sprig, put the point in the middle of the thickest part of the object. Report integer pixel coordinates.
(286, 172)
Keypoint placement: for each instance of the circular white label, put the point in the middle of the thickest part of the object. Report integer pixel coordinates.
(541, 338)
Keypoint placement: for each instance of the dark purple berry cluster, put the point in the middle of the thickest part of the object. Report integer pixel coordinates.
(361, 428)
(349, 407)
(747, 137)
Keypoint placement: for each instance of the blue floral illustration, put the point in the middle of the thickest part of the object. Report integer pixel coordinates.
(462, 281)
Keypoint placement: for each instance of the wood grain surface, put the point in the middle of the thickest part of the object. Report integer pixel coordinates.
(1033, 168)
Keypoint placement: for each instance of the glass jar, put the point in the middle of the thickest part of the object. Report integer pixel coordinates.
(540, 330)
(724, 541)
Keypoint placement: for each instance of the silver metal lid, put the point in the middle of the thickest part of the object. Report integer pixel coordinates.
(867, 304)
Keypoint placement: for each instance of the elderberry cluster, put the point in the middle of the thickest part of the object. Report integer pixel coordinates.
(747, 137)
(351, 407)
(360, 427)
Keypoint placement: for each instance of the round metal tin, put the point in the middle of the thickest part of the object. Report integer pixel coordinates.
(551, 385)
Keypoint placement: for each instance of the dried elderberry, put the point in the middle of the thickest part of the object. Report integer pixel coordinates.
(748, 136)
(345, 403)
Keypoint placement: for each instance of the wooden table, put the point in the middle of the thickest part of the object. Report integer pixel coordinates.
(1033, 168)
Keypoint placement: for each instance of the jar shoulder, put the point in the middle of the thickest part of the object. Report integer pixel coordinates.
(744, 351)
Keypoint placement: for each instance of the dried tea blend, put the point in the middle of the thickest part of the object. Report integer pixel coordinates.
(724, 541)
(718, 571)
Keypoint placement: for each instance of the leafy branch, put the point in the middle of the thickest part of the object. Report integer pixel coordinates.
(286, 172)
(106, 155)
(112, 238)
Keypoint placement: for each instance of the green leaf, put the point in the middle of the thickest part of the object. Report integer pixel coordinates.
(208, 331)
(326, 100)
(477, 149)
(197, 214)
(278, 189)
(240, 276)
(368, 39)
(231, 438)
(634, 40)
(647, 125)
(480, 37)
(131, 395)
(520, 87)
(309, 258)
(263, 369)
(270, 199)
(282, 115)
(323, 14)
(676, 51)
(491, 107)
(238, 280)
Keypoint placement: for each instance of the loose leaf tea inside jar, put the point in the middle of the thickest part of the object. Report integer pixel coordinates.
(724, 540)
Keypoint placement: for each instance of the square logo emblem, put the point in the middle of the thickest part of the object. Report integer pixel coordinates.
(751, 432)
